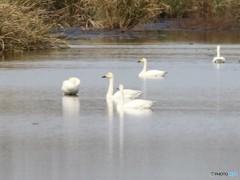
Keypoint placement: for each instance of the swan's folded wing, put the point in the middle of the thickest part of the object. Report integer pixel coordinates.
(154, 73)
(139, 104)
(129, 94)
(69, 88)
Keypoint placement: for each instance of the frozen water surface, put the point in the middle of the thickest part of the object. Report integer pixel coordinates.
(191, 131)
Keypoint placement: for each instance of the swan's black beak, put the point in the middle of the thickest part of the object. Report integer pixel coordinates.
(104, 76)
(138, 61)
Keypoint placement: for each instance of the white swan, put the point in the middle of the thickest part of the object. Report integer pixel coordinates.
(128, 93)
(150, 73)
(136, 112)
(71, 86)
(218, 58)
(133, 104)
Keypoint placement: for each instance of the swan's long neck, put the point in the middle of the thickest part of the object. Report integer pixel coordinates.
(144, 67)
(218, 51)
(121, 97)
(110, 88)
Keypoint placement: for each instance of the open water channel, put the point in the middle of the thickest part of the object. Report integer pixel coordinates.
(192, 131)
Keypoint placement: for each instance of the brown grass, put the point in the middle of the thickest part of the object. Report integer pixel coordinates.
(119, 14)
(21, 28)
(205, 14)
(122, 14)
(106, 14)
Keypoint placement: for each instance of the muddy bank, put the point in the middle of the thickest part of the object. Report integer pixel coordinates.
(177, 26)
(165, 30)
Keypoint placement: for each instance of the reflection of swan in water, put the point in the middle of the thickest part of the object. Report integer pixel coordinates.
(71, 86)
(121, 133)
(128, 93)
(70, 128)
(218, 65)
(71, 106)
(150, 73)
(133, 104)
(218, 58)
(109, 107)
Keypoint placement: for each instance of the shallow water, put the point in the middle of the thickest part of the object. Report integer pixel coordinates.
(191, 131)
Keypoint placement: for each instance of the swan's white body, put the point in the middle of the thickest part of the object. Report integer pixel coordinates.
(71, 86)
(218, 58)
(133, 104)
(128, 93)
(150, 73)
(137, 112)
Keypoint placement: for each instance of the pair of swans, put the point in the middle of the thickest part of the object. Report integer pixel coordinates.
(125, 98)
(128, 93)
(132, 104)
(218, 59)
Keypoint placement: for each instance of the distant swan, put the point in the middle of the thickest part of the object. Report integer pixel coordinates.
(133, 104)
(71, 86)
(218, 58)
(128, 93)
(150, 73)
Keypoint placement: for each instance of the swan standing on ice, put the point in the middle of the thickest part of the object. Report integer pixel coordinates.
(150, 73)
(71, 86)
(133, 104)
(128, 93)
(218, 58)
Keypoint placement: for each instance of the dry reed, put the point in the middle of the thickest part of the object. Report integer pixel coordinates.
(21, 28)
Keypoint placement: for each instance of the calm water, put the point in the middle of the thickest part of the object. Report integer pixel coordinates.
(191, 131)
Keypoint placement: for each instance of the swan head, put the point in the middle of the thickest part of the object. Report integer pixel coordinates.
(108, 75)
(143, 60)
(120, 87)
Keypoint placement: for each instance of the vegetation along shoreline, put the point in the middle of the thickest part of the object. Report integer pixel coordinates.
(28, 25)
